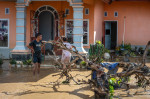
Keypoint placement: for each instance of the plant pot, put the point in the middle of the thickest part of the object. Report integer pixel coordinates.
(18, 65)
(30, 65)
(12, 65)
(24, 65)
(83, 67)
(106, 55)
(78, 66)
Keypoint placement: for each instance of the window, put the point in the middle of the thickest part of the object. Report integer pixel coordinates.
(67, 12)
(69, 31)
(85, 31)
(116, 14)
(4, 33)
(86, 11)
(6, 10)
(105, 14)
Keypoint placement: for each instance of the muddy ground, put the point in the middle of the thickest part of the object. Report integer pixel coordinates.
(21, 84)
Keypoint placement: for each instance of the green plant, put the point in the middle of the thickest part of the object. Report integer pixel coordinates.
(27, 62)
(117, 49)
(98, 42)
(96, 52)
(126, 46)
(140, 48)
(112, 82)
(117, 60)
(107, 51)
(124, 52)
(13, 62)
(1, 61)
(83, 63)
(132, 54)
(24, 62)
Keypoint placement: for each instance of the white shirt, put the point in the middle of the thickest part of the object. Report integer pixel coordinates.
(65, 52)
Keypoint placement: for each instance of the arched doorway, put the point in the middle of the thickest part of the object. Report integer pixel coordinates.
(45, 20)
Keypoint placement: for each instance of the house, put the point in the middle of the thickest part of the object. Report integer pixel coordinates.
(82, 21)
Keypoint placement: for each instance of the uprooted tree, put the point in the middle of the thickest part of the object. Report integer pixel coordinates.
(103, 83)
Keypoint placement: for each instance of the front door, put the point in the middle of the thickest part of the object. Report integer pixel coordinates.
(110, 34)
(46, 26)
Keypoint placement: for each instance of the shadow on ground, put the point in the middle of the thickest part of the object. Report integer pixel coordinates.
(23, 75)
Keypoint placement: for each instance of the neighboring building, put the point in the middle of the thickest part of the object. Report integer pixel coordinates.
(82, 21)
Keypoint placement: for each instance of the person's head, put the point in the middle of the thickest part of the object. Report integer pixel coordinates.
(38, 36)
(64, 39)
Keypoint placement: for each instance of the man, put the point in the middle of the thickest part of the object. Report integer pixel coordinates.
(36, 46)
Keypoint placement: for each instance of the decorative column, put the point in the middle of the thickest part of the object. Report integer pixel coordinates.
(20, 52)
(78, 28)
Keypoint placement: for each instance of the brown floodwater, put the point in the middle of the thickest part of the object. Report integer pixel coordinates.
(21, 84)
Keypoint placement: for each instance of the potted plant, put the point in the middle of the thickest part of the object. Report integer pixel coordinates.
(27, 63)
(12, 63)
(96, 51)
(117, 51)
(82, 64)
(1, 62)
(132, 54)
(19, 63)
(24, 63)
(140, 50)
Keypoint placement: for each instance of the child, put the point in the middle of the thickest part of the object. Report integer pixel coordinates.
(36, 46)
(66, 55)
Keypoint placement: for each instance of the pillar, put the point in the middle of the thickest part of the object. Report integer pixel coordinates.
(78, 28)
(20, 52)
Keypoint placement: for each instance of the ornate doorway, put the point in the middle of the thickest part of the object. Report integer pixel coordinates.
(44, 20)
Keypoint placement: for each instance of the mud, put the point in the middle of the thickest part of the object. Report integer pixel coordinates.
(21, 84)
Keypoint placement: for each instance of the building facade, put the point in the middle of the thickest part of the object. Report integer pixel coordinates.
(82, 21)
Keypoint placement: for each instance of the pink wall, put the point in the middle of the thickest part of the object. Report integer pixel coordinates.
(137, 21)
(12, 20)
(90, 5)
(98, 19)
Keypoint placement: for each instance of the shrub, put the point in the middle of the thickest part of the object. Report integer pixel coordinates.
(13, 62)
(83, 63)
(27, 62)
(1, 61)
(132, 54)
(96, 52)
(126, 46)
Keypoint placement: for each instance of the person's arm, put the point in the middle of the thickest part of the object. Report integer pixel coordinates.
(43, 44)
(30, 46)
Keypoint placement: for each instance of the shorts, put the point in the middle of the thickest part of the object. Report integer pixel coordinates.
(37, 58)
(65, 59)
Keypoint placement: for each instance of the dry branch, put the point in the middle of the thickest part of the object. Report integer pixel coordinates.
(140, 69)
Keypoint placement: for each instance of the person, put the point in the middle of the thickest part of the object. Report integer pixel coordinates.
(66, 55)
(36, 46)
